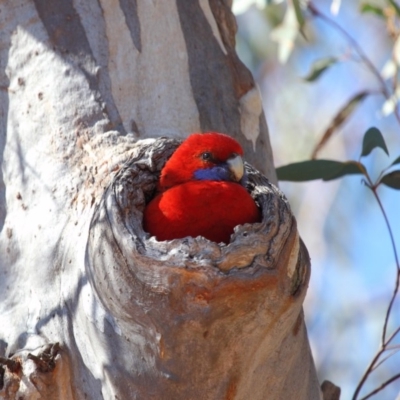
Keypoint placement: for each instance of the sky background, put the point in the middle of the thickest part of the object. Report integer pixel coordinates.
(353, 268)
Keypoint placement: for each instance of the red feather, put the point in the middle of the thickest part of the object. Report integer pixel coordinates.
(180, 167)
(189, 207)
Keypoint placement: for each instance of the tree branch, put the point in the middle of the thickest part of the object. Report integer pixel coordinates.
(378, 389)
(360, 52)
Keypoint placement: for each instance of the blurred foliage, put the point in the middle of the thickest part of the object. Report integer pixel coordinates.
(308, 33)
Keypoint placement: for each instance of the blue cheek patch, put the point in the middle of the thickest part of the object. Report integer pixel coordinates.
(217, 173)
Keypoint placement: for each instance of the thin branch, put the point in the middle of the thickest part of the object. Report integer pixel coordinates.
(394, 351)
(366, 373)
(395, 347)
(385, 342)
(392, 336)
(378, 389)
(358, 50)
(396, 257)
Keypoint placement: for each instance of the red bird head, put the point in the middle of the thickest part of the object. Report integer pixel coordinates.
(204, 156)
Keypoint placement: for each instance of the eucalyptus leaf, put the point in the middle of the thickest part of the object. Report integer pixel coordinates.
(392, 179)
(373, 9)
(373, 138)
(348, 168)
(396, 161)
(299, 13)
(319, 67)
(285, 34)
(339, 119)
(316, 169)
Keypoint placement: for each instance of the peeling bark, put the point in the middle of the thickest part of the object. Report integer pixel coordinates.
(43, 373)
(80, 83)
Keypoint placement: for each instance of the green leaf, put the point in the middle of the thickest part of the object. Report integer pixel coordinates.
(348, 168)
(317, 169)
(395, 6)
(339, 119)
(392, 179)
(373, 138)
(299, 14)
(319, 67)
(373, 9)
(396, 161)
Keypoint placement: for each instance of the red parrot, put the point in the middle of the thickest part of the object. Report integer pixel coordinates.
(201, 194)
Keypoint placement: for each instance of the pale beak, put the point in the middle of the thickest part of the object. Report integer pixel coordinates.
(235, 165)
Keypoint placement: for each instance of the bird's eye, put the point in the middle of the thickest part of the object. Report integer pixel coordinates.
(206, 156)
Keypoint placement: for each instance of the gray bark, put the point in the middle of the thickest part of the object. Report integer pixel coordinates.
(91, 306)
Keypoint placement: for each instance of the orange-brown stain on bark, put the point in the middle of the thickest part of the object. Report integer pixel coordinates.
(232, 389)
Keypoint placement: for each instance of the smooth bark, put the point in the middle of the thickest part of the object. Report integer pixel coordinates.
(83, 85)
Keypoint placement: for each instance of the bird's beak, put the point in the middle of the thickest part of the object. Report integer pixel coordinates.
(235, 165)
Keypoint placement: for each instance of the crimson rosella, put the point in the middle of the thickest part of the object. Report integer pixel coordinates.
(200, 191)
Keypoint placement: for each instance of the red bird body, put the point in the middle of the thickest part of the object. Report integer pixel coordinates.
(200, 194)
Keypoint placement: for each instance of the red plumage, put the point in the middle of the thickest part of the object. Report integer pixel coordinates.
(200, 194)
(180, 167)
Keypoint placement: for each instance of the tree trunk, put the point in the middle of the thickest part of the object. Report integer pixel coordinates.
(92, 307)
